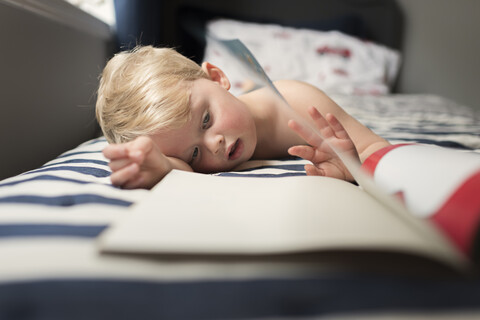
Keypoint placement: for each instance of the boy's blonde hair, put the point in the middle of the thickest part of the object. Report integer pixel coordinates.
(145, 90)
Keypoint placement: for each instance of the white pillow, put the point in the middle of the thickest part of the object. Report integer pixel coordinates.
(332, 61)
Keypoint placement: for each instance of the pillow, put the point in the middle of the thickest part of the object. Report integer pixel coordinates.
(333, 61)
(193, 20)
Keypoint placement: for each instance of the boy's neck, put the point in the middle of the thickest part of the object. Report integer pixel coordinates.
(265, 114)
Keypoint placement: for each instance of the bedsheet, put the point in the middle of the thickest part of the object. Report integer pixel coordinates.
(50, 267)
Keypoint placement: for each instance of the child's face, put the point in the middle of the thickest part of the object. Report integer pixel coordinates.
(220, 136)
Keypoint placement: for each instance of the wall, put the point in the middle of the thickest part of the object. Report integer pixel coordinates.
(49, 66)
(442, 49)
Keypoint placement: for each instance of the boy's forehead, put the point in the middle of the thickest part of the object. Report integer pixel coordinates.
(203, 92)
(193, 101)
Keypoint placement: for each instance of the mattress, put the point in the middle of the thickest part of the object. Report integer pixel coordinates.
(51, 268)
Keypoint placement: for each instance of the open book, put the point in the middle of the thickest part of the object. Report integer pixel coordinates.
(191, 213)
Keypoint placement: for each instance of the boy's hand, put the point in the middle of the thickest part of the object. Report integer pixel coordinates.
(139, 163)
(325, 162)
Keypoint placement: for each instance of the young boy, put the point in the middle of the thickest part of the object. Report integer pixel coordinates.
(161, 111)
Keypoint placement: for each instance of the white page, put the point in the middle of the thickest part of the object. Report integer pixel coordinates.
(192, 213)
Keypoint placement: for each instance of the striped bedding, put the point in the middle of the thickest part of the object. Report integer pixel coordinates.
(50, 267)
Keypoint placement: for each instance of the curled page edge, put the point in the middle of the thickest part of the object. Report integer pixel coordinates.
(241, 55)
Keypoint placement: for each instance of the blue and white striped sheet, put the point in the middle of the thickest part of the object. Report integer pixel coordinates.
(79, 176)
(51, 218)
(418, 118)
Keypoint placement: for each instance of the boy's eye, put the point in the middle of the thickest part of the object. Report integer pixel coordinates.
(194, 154)
(206, 120)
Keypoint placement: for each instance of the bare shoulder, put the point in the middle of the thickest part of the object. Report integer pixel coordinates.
(301, 95)
(289, 83)
(289, 87)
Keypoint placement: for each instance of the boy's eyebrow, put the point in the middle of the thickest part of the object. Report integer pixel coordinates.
(197, 112)
(195, 121)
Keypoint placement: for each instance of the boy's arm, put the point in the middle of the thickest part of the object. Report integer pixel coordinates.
(301, 96)
(140, 164)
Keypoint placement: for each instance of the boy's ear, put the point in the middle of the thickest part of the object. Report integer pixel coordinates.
(216, 75)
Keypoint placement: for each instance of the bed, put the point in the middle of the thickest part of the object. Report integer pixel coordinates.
(52, 216)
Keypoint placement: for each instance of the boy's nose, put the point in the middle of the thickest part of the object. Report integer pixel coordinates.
(215, 143)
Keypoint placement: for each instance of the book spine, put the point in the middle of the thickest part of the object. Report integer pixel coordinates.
(435, 183)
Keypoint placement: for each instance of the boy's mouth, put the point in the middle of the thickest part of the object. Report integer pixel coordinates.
(235, 150)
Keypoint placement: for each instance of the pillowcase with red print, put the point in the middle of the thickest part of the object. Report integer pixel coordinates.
(331, 60)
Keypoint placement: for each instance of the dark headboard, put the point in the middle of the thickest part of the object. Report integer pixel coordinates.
(177, 23)
(375, 20)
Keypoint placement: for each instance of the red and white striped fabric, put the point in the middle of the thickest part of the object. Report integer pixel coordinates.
(440, 184)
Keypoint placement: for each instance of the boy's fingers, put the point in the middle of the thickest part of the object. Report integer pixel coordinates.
(142, 143)
(321, 123)
(317, 116)
(121, 177)
(337, 127)
(136, 156)
(304, 152)
(134, 149)
(139, 148)
(134, 184)
(115, 151)
(305, 133)
(118, 164)
(311, 170)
